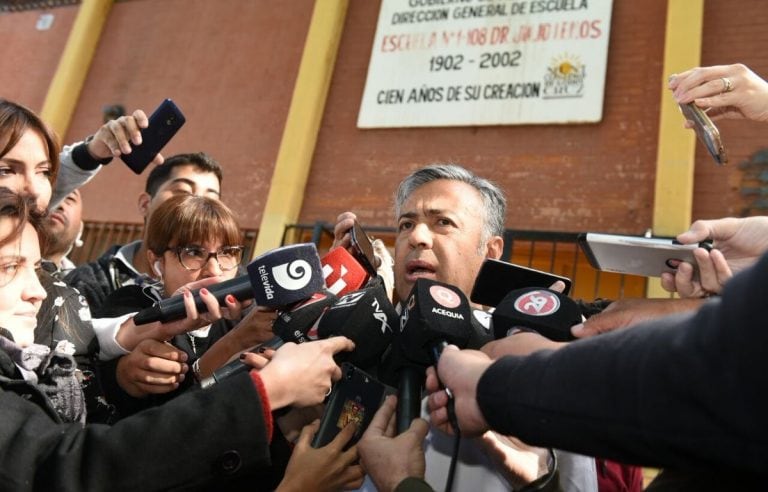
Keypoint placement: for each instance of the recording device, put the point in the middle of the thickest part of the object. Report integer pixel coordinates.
(366, 317)
(497, 277)
(292, 325)
(544, 311)
(342, 272)
(706, 131)
(435, 315)
(362, 248)
(278, 278)
(355, 398)
(163, 125)
(636, 255)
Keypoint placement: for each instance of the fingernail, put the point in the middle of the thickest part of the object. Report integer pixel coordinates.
(261, 350)
(204, 291)
(577, 329)
(242, 356)
(187, 293)
(230, 299)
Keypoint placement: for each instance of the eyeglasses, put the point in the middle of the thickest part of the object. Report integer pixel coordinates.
(195, 257)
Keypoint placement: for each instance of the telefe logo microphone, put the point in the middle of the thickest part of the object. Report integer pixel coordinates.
(342, 272)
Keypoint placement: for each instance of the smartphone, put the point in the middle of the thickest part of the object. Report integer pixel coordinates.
(362, 249)
(636, 255)
(707, 132)
(163, 125)
(497, 278)
(355, 398)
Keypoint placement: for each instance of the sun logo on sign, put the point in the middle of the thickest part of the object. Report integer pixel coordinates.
(564, 77)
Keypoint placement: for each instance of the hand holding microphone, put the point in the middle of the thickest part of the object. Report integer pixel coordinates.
(459, 370)
(278, 278)
(303, 374)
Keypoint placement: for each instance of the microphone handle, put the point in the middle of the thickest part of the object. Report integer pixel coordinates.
(173, 308)
(237, 366)
(409, 396)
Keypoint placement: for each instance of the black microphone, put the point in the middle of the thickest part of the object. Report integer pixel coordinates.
(279, 277)
(544, 311)
(367, 317)
(435, 315)
(292, 325)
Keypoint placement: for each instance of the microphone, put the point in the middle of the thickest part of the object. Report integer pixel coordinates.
(435, 315)
(292, 325)
(544, 311)
(366, 317)
(342, 272)
(277, 278)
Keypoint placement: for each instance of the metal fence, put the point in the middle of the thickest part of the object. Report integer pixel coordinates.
(555, 252)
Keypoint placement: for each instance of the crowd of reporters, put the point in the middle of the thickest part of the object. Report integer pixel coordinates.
(112, 402)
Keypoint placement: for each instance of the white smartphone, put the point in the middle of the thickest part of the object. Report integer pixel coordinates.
(636, 255)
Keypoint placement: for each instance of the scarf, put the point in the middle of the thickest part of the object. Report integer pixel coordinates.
(54, 372)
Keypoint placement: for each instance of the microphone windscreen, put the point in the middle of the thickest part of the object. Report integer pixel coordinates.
(545, 311)
(366, 317)
(293, 325)
(286, 275)
(342, 272)
(434, 312)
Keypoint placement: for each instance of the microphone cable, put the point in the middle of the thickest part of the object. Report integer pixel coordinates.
(452, 419)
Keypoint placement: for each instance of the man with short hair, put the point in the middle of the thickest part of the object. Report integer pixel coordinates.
(450, 220)
(194, 174)
(65, 224)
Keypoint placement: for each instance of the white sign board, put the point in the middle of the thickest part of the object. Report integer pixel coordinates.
(487, 62)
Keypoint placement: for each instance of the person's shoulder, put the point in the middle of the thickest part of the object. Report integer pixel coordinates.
(88, 271)
(124, 300)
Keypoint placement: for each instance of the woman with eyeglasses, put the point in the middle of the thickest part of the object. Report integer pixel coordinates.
(189, 239)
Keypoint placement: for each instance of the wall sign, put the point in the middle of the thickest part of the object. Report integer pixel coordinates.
(487, 62)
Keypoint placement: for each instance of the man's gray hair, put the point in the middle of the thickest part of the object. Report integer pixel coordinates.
(494, 202)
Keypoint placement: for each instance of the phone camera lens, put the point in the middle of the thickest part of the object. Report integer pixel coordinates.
(169, 121)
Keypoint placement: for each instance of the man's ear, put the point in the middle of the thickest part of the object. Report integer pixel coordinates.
(143, 204)
(494, 247)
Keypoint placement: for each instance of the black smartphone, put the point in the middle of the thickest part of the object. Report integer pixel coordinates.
(355, 398)
(362, 249)
(636, 255)
(706, 131)
(163, 125)
(497, 278)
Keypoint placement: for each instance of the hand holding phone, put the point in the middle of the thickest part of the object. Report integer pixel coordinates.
(163, 125)
(636, 255)
(355, 398)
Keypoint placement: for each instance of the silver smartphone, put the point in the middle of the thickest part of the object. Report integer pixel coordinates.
(636, 255)
(706, 131)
